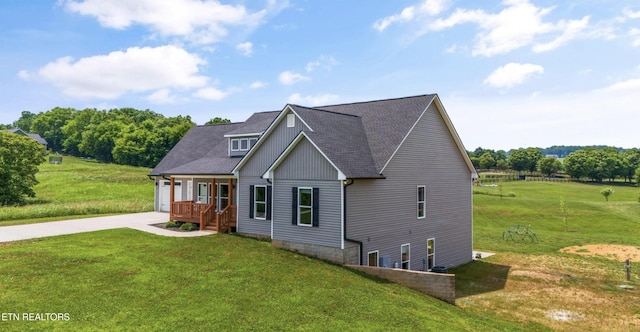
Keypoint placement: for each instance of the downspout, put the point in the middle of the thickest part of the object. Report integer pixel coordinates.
(344, 217)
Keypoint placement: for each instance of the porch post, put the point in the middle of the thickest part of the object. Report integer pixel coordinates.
(171, 196)
(230, 186)
(213, 194)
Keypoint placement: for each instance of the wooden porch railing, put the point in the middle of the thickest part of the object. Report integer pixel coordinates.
(205, 214)
(226, 218)
(187, 211)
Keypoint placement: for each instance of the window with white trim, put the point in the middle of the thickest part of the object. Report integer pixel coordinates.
(260, 202)
(405, 256)
(422, 201)
(222, 196)
(431, 254)
(242, 144)
(373, 258)
(235, 144)
(305, 206)
(204, 193)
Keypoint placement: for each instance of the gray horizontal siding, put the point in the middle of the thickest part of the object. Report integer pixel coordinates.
(245, 224)
(329, 232)
(306, 162)
(271, 148)
(382, 213)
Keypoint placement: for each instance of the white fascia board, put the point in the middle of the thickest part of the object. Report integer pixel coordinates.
(244, 135)
(269, 173)
(450, 128)
(265, 134)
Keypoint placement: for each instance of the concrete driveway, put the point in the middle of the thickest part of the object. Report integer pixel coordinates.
(139, 221)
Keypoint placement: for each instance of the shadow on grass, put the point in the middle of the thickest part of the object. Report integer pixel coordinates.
(479, 277)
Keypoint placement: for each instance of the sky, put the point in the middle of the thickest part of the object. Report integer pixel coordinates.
(510, 74)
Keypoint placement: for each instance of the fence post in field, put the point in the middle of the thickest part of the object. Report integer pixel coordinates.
(628, 268)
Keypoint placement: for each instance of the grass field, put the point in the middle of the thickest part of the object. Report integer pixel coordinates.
(535, 282)
(124, 279)
(80, 187)
(129, 280)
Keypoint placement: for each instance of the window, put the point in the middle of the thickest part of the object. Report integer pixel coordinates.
(242, 144)
(260, 202)
(204, 196)
(373, 258)
(305, 206)
(222, 196)
(431, 253)
(422, 204)
(405, 256)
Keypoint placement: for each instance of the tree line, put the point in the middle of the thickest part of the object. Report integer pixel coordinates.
(122, 135)
(586, 163)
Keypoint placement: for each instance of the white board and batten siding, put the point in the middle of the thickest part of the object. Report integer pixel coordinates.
(383, 213)
(254, 167)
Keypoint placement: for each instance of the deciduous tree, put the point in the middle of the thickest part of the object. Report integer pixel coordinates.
(20, 157)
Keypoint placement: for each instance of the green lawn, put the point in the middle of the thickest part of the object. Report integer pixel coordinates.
(130, 280)
(536, 205)
(80, 187)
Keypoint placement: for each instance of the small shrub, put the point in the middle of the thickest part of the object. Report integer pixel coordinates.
(511, 194)
(606, 192)
(188, 227)
(171, 224)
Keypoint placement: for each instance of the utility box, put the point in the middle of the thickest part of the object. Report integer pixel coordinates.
(385, 261)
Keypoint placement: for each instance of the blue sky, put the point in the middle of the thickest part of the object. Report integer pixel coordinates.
(511, 73)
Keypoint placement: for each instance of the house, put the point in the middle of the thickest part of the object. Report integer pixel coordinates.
(36, 137)
(379, 183)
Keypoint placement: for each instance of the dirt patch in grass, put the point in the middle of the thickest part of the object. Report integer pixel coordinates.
(610, 251)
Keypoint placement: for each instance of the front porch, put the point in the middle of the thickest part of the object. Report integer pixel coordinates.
(208, 215)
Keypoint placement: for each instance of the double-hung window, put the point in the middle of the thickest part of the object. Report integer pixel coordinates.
(305, 206)
(260, 202)
(422, 201)
(431, 253)
(204, 195)
(405, 256)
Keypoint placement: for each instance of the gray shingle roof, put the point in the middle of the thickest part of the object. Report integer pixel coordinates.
(386, 122)
(205, 150)
(342, 138)
(36, 137)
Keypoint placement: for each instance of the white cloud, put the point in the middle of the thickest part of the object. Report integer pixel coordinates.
(630, 85)
(211, 93)
(546, 120)
(245, 48)
(201, 22)
(411, 13)
(324, 61)
(630, 13)
(117, 73)
(162, 96)
(316, 100)
(512, 74)
(257, 85)
(289, 77)
(570, 30)
(519, 24)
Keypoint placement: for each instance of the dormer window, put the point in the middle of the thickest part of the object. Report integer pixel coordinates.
(240, 146)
